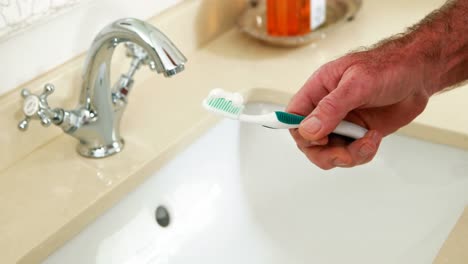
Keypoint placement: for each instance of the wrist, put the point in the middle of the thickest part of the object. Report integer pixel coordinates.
(424, 57)
(414, 58)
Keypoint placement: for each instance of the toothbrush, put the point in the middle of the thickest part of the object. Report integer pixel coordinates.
(231, 105)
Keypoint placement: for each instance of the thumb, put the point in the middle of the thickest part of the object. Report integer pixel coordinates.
(331, 110)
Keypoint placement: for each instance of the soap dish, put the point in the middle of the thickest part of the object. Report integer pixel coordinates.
(253, 22)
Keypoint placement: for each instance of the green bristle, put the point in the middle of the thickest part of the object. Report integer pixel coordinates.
(224, 105)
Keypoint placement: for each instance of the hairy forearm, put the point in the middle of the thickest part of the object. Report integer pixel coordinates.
(443, 37)
(437, 47)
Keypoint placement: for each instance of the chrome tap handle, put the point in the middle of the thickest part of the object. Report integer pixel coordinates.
(37, 107)
(48, 90)
(23, 124)
(138, 54)
(124, 84)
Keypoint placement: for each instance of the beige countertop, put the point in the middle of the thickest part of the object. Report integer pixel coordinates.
(454, 250)
(49, 193)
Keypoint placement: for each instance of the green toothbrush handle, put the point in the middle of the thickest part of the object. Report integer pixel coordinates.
(288, 118)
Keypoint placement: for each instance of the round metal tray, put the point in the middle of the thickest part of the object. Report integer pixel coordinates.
(253, 22)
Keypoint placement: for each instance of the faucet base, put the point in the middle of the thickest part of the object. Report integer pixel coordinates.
(101, 151)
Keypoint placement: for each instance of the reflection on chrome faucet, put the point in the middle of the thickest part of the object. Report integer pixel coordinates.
(96, 120)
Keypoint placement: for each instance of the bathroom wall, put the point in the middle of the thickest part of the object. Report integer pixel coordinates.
(38, 35)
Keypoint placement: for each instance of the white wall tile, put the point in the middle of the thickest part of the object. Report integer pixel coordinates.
(52, 41)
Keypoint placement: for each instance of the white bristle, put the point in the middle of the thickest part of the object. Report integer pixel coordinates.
(217, 92)
(236, 100)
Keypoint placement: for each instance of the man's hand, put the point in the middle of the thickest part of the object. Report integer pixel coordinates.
(374, 89)
(382, 89)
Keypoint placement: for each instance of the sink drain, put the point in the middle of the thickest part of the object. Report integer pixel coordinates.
(162, 216)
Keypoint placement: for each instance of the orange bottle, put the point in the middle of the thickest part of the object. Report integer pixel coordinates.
(294, 17)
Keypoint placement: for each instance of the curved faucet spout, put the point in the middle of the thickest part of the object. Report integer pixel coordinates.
(163, 54)
(96, 123)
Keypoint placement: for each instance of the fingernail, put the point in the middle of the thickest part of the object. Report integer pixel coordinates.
(339, 163)
(375, 137)
(314, 143)
(312, 125)
(366, 150)
(318, 143)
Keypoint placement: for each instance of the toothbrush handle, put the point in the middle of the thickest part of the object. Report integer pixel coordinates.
(349, 129)
(344, 128)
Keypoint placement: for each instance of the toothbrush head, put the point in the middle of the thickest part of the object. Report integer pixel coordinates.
(224, 103)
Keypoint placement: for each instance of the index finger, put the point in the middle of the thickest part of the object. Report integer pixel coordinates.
(313, 90)
(305, 100)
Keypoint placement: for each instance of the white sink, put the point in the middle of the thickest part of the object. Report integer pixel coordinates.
(245, 194)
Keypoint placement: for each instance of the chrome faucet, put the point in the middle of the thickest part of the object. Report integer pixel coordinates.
(96, 120)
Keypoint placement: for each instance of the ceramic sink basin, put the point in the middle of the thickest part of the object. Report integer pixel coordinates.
(245, 194)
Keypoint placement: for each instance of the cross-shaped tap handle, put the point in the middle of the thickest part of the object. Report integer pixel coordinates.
(36, 107)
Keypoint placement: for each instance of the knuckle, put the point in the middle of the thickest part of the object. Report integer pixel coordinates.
(363, 72)
(300, 147)
(295, 133)
(356, 92)
(324, 165)
(312, 157)
(297, 137)
(329, 106)
(302, 143)
(370, 158)
(305, 135)
(324, 68)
